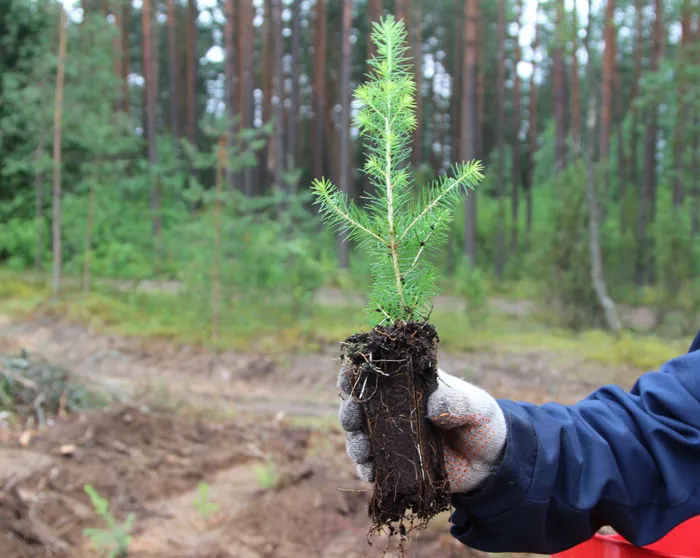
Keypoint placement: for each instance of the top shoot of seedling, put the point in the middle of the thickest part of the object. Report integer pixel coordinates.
(394, 229)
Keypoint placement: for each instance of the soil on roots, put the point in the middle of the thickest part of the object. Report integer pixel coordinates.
(394, 373)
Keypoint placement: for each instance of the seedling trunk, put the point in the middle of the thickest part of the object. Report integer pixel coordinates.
(395, 373)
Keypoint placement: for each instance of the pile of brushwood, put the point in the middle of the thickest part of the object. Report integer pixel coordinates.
(394, 365)
(33, 391)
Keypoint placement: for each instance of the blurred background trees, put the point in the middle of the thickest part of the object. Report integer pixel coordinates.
(152, 88)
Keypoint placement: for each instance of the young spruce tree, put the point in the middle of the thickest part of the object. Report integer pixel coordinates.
(393, 368)
(393, 229)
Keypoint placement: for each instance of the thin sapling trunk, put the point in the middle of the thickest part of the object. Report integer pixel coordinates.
(395, 363)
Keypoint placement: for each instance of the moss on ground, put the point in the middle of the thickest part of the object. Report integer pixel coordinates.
(280, 329)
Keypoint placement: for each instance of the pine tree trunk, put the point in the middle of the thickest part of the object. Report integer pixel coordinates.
(374, 14)
(517, 122)
(267, 90)
(230, 77)
(173, 68)
(623, 162)
(647, 203)
(344, 102)
(608, 68)
(278, 141)
(117, 53)
(559, 90)
(58, 118)
(612, 318)
(221, 159)
(500, 148)
(679, 140)
(39, 205)
(531, 131)
(634, 137)
(125, 51)
(245, 95)
(458, 50)
(294, 104)
(417, 48)
(149, 71)
(400, 9)
(319, 89)
(468, 113)
(88, 239)
(191, 70)
(575, 82)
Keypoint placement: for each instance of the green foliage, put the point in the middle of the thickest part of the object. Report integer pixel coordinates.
(266, 475)
(205, 507)
(114, 541)
(392, 230)
(471, 286)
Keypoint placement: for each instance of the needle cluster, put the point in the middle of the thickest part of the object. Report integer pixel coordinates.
(395, 227)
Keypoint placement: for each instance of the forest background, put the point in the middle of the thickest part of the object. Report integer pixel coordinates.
(156, 159)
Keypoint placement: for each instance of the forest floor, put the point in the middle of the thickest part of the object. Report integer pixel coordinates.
(259, 430)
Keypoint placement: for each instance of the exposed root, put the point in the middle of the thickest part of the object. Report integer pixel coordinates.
(411, 483)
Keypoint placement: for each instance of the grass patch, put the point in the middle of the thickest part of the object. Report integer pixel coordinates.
(279, 329)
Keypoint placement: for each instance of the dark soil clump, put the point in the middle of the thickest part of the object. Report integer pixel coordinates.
(394, 373)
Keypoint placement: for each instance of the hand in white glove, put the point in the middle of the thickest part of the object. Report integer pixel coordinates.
(472, 424)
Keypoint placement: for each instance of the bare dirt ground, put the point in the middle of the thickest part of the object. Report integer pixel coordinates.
(261, 433)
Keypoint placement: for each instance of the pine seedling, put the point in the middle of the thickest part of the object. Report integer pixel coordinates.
(395, 230)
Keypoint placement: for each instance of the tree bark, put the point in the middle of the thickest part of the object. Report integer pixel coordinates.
(517, 123)
(191, 70)
(294, 101)
(39, 205)
(173, 68)
(575, 81)
(231, 82)
(88, 239)
(500, 124)
(608, 68)
(58, 117)
(245, 95)
(634, 136)
(400, 10)
(221, 163)
(648, 194)
(559, 83)
(612, 317)
(417, 47)
(276, 153)
(267, 89)
(679, 140)
(531, 131)
(344, 102)
(126, 57)
(468, 120)
(149, 70)
(319, 88)
(375, 13)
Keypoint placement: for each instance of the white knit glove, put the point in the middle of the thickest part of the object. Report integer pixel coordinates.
(472, 424)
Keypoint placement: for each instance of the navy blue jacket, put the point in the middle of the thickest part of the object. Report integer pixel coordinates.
(630, 460)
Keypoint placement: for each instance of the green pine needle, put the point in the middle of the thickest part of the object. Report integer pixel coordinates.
(392, 228)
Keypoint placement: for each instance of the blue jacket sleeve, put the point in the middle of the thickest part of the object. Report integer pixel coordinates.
(630, 460)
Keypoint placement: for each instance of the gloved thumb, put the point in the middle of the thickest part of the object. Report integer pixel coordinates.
(458, 403)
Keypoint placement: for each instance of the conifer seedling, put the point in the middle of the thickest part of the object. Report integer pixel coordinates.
(394, 365)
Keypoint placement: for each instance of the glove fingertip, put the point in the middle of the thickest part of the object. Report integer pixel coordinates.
(366, 472)
(350, 415)
(344, 385)
(358, 447)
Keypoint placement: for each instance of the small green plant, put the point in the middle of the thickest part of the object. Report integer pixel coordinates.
(393, 366)
(266, 475)
(203, 503)
(116, 539)
(395, 232)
